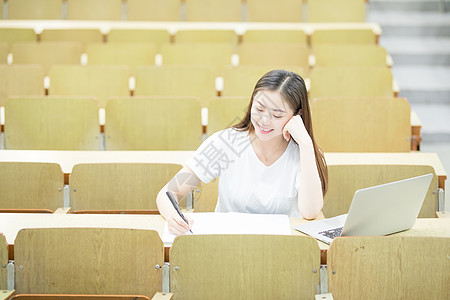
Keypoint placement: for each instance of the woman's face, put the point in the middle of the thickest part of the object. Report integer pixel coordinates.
(269, 114)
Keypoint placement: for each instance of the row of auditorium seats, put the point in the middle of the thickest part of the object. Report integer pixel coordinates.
(215, 55)
(133, 187)
(341, 124)
(186, 10)
(318, 36)
(105, 81)
(129, 262)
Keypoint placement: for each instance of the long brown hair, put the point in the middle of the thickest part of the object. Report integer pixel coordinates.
(292, 89)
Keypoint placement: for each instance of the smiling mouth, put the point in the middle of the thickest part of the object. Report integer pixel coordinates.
(264, 130)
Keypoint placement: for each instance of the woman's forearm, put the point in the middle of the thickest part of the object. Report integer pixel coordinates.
(310, 197)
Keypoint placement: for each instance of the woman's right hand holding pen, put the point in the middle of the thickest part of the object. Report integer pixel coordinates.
(177, 225)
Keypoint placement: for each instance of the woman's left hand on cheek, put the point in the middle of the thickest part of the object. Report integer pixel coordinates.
(295, 128)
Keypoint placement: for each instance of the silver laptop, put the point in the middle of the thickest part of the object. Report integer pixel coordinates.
(377, 210)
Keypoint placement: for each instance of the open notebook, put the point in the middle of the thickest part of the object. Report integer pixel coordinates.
(235, 223)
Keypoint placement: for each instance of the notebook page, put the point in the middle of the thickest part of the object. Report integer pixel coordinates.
(235, 223)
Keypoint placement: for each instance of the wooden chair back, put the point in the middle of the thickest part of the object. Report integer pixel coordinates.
(30, 186)
(351, 81)
(343, 36)
(213, 11)
(389, 268)
(205, 196)
(84, 36)
(106, 261)
(4, 260)
(153, 10)
(274, 36)
(241, 80)
(118, 187)
(206, 36)
(344, 180)
(13, 35)
(52, 123)
(236, 266)
(119, 54)
(281, 54)
(153, 123)
(35, 9)
(156, 37)
(217, 55)
(100, 81)
(263, 11)
(350, 55)
(99, 10)
(47, 54)
(21, 80)
(223, 112)
(336, 11)
(190, 81)
(362, 124)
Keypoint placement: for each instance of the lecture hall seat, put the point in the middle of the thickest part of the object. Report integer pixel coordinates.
(206, 36)
(275, 35)
(102, 261)
(177, 80)
(361, 124)
(213, 11)
(281, 54)
(52, 123)
(348, 36)
(35, 9)
(4, 260)
(119, 54)
(47, 54)
(343, 81)
(244, 266)
(13, 35)
(216, 55)
(154, 10)
(389, 267)
(23, 80)
(156, 37)
(118, 187)
(345, 180)
(153, 123)
(274, 11)
(31, 187)
(94, 10)
(81, 35)
(100, 81)
(332, 11)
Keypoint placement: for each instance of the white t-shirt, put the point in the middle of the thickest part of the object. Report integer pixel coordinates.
(245, 184)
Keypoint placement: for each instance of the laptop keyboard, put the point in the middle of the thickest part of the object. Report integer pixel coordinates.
(332, 233)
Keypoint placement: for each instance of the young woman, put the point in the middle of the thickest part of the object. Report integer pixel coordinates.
(267, 163)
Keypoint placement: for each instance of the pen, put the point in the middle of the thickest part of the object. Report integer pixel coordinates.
(177, 208)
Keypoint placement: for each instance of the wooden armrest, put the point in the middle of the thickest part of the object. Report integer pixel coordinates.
(6, 294)
(63, 210)
(324, 296)
(162, 296)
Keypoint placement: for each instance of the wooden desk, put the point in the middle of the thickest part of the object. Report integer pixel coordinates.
(67, 159)
(173, 27)
(11, 224)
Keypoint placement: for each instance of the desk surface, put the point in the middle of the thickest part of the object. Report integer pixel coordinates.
(12, 223)
(67, 159)
(172, 27)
